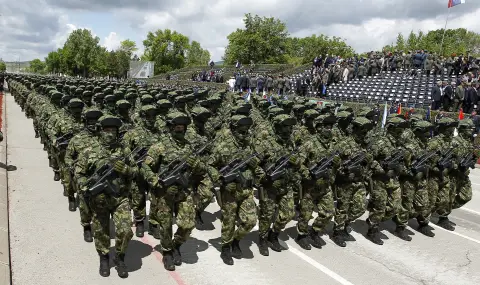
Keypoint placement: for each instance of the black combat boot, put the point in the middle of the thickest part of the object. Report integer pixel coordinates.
(302, 241)
(445, 223)
(120, 266)
(87, 234)
(401, 233)
(373, 235)
(226, 255)
(104, 265)
(273, 241)
(44, 147)
(177, 256)
(50, 162)
(338, 238)
(236, 251)
(168, 260)
(72, 204)
(317, 241)
(37, 134)
(152, 228)
(56, 176)
(139, 229)
(426, 230)
(198, 220)
(263, 246)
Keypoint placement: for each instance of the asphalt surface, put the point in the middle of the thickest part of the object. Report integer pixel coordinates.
(47, 244)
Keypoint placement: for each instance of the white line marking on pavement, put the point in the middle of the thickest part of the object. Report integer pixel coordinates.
(476, 184)
(317, 265)
(455, 233)
(470, 211)
(314, 263)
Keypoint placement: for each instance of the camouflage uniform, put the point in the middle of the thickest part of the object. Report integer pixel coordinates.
(350, 179)
(439, 184)
(108, 204)
(237, 201)
(385, 197)
(78, 144)
(316, 191)
(278, 194)
(176, 198)
(142, 136)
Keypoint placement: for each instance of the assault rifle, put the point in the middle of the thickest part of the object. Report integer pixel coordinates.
(446, 161)
(233, 170)
(353, 165)
(276, 170)
(420, 163)
(62, 142)
(322, 168)
(174, 172)
(393, 161)
(101, 180)
(467, 161)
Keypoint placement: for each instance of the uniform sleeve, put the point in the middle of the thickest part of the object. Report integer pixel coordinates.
(82, 168)
(71, 152)
(152, 163)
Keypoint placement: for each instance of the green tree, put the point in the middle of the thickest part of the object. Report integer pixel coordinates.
(400, 45)
(167, 48)
(129, 47)
(263, 40)
(412, 41)
(196, 55)
(80, 49)
(3, 66)
(37, 66)
(53, 62)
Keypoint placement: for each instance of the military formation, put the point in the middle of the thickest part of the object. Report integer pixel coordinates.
(115, 145)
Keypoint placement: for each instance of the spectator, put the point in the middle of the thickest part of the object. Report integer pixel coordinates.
(436, 96)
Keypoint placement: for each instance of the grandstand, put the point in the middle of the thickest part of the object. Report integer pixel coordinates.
(141, 69)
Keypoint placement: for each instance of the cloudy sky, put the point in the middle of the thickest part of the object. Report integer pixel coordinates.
(30, 29)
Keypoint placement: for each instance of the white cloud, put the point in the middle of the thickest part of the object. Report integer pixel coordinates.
(112, 41)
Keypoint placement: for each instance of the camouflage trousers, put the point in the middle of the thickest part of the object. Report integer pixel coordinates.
(243, 210)
(102, 207)
(66, 176)
(138, 199)
(152, 215)
(462, 187)
(460, 192)
(269, 205)
(350, 203)
(385, 200)
(185, 218)
(204, 194)
(442, 187)
(415, 200)
(323, 201)
(85, 212)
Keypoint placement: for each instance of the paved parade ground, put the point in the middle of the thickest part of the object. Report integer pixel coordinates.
(47, 244)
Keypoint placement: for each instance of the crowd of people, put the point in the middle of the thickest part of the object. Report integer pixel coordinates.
(114, 145)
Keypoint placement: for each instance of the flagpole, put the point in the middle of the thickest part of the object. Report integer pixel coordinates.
(444, 31)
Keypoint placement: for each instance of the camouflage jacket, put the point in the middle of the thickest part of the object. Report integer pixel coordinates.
(95, 157)
(441, 145)
(77, 145)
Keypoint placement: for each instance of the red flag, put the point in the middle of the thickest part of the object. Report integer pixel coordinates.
(399, 110)
(461, 115)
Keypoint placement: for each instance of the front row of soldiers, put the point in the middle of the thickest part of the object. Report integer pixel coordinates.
(299, 159)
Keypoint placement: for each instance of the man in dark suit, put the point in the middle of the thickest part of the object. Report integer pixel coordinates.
(436, 96)
(447, 96)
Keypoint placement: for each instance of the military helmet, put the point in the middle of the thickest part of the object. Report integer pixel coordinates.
(310, 114)
(284, 120)
(421, 125)
(201, 114)
(122, 104)
(92, 114)
(164, 104)
(240, 120)
(362, 123)
(75, 103)
(243, 109)
(110, 99)
(344, 115)
(148, 110)
(327, 119)
(466, 124)
(397, 122)
(447, 122)
(178, 118)
(107, 121)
